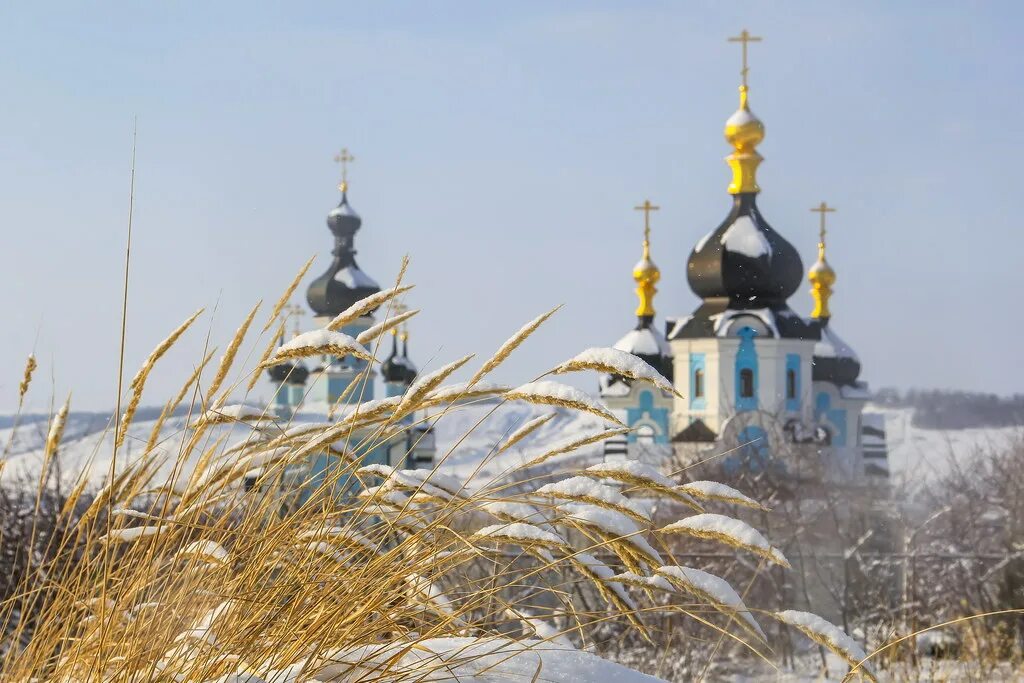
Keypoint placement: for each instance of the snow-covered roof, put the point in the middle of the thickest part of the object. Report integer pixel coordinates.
(644, 341)
(343, 209)
(831, 346)
(723, 321)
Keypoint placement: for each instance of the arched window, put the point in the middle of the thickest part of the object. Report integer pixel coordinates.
(790, 384)
(746, 383)
(698, 383)
(645, 434)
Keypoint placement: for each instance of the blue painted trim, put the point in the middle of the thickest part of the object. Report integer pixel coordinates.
(793, 365)
(746, 359)
(836, 417)
(697, 363)
(646, 413)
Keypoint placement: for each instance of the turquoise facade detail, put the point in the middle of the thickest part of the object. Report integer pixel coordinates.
(746, 371)
(698, 376)
(645, 413)
(793, 370)
(836, 417)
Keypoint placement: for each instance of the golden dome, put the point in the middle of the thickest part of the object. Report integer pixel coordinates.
(645, 273)
(744, 132)
(821, 275)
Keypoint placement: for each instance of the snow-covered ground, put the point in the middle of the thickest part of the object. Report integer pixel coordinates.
(466, 435)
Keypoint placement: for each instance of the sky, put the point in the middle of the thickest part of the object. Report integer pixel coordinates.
(502, 146)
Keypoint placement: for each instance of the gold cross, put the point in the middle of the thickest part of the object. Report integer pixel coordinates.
(823, 209)
(744, 37)
(344, 157)
(398, 308)
(296, 311)
(647, 207)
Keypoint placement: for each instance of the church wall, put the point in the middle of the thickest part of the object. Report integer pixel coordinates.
(722, 358)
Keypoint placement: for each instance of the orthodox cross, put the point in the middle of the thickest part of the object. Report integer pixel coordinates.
(823, 209)
(647, 207)
(344, 157)
(295, 311)
(744, 37)
(398, 308)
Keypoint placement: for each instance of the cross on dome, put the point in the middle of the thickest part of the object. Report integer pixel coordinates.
(744, 38)
(344, 157)
(823, 209)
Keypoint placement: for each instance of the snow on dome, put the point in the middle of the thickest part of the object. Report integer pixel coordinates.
(343, 209)
(703, 241)
(743, 237)
(643, 342)
(354, 278)
(831, 346)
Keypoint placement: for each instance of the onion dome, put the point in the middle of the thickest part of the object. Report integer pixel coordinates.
(280, 373)
(344, 283)
(834, 361)
(397, 368)
(643, 341)
(743, 265)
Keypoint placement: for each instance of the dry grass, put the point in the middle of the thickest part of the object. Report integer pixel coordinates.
(253, 564)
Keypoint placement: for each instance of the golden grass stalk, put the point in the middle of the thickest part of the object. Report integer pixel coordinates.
(139, 380)
(732, 532)
(267, 352)
(527, 428)
(510, 345)
(26, 378)
(228, 358)
(366, 306)
(560, 395)
(172, 405)
(571, 445)
(615, 362)
(287, 294)
(319, 343)
(372, 333)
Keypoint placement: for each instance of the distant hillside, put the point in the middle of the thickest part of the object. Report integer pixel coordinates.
(950, 409)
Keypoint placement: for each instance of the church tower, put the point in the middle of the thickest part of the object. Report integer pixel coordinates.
(744, 355)
(640, 406)
(342, 285)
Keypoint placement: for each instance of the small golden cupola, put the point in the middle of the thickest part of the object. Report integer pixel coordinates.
(645, 273)
(821, 275)
(744, 132)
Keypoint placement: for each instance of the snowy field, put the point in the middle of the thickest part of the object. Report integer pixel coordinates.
(466, 435)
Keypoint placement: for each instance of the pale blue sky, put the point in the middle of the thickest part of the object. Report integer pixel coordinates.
(503, 146)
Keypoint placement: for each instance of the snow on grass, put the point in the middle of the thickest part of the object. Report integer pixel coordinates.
(521, 533)
(470, 660)
(599, 571)
(132, 534)
(464, 391)
(513, 511)
(235, 413)
(829, 635)
(611, 524)
(205, 550)
(615, 362)
(730, 531)
(712, 588)
(585, 490)
(636, 473)
(712, 490)
(320, 342)
(546, 392)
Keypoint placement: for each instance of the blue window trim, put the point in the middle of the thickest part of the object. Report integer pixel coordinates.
(697, 362)
(793, 365)
(746, 359)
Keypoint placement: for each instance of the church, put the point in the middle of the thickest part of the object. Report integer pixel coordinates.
(756, 380)
(338, 384)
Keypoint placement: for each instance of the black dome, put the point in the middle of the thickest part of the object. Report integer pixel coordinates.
(288, 373)
(397, 368)
(649, 345)
(745, 261)
(344, 283)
